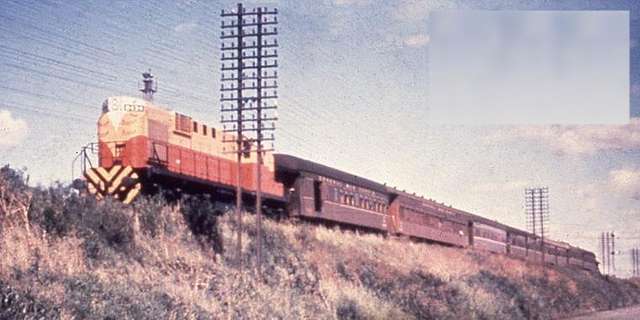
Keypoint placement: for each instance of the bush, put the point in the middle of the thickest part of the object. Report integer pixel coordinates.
(15, 304)
(348, 309)
(15, 197)
(153, 216)
(201, 215)
(87, 297)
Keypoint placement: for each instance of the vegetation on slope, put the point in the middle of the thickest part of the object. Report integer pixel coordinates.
(72, 257)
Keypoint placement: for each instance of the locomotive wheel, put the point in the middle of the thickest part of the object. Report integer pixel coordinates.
(119, 182)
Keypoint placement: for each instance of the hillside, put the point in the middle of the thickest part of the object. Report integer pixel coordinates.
(77, 258)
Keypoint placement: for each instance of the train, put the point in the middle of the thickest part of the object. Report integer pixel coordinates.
(143, 148)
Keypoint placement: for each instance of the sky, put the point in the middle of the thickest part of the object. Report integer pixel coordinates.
(355, 93)
(529, 67)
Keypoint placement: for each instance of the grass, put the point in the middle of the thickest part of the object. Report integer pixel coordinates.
(80, 258)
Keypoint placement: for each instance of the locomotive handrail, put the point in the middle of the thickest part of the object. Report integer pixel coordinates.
(82, 154)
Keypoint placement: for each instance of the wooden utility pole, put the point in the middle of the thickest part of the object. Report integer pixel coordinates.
(613, 252)
(249, 75)
(537, 211)
(634, 262)
(603, 254)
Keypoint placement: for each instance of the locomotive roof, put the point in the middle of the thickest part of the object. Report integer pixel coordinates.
(291, 163)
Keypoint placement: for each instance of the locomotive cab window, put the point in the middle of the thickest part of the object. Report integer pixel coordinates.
(195, 126)
(119, 151)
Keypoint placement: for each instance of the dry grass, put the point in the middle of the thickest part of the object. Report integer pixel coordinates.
(97, 266)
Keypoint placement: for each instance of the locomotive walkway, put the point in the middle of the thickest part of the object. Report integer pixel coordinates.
(630, 313)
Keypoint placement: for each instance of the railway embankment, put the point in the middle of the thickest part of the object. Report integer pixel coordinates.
(65, 255)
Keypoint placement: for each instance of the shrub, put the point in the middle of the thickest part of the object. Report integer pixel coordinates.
(201, 215)
(87, 297)
(348, 309)
(15, 304)
(15, 197)
(153, 216)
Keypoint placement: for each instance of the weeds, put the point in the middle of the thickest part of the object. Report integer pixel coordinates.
(75, 257)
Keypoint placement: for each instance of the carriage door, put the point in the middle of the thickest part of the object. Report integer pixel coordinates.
(317, 195)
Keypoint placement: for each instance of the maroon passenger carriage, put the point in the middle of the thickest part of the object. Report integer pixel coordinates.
(317, 192)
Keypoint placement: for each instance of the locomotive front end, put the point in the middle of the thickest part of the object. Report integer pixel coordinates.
(123, 149)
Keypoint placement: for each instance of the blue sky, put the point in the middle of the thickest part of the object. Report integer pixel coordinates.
(354, 94)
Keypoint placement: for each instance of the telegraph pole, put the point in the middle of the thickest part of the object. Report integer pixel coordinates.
(603, 253)
(608, 250)
(613, 252)
(537, 211)
(248, 73)
(634, 262)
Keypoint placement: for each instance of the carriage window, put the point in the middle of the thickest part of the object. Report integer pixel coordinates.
(195, 126)
(204, 130)
(213, 133)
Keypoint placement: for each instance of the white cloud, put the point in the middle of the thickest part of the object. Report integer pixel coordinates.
(351, 2)
(416, 40)
(626, 182)
(507, 187)
(12, 130)
(575, 139)
(185, 27)
(417, 10)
